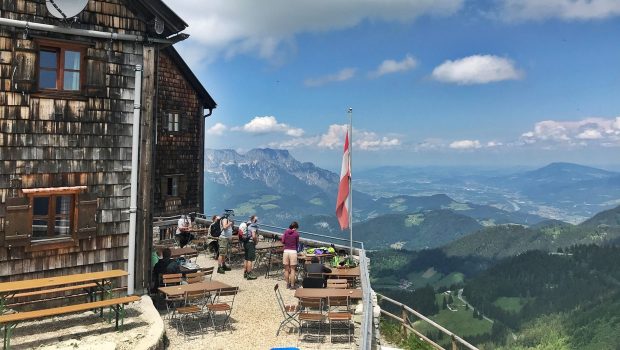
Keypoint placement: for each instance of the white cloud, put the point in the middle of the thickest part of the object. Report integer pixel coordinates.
(392, 66)
(476, 69)
(465, 144)
(516, 10)
(492, 144)
(333, 138)
(343, 75)
(578, 132)
(264, 28)
(269, 124)
(217, 129)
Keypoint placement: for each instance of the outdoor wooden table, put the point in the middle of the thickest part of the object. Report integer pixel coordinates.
(179, 252)
(176, 291)
(327, 292)
(101, 279)
(351, 272)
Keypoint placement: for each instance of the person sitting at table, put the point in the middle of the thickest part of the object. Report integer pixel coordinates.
(315, 268)
(165, 265)
(183, 234)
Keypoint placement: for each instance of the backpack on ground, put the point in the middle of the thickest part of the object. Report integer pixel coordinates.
(216, 228)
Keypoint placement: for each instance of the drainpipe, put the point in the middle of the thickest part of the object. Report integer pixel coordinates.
(133, 200)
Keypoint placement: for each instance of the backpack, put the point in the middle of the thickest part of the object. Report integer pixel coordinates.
(216, 228)
(244, 232)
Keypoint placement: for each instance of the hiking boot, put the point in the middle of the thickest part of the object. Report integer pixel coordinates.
(245, 274)
(250, 276)
(226, 268)
(221, 270)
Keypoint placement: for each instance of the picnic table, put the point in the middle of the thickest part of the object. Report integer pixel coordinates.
(327, 292)
(91, 281)
(178, 291)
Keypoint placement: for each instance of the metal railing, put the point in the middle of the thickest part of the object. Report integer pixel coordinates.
(367, 334)
(406, 325)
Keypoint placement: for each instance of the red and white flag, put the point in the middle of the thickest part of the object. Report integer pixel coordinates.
(342, 203)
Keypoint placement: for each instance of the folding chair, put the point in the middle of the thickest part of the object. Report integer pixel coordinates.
(223, 301)
(337, 283)
(311, 311)
(289, 312)
(172, 279)
(193, 308)
(339, 311)
(195, 277)
(208, 272)
(274, 259)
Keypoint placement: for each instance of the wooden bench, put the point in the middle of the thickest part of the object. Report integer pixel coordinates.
(10, 321)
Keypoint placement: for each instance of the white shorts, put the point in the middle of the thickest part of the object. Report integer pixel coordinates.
(289, 257)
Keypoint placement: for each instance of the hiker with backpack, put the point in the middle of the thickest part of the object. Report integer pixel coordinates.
(248, 234)
(225, 225)
(214, 232)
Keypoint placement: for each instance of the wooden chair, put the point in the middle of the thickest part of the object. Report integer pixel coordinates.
(311, 312)
(289, 312)
(193, 308)
(208, 272)
(195, 277)
(337, 283)
(339, 312)
(223, 302)
(172, 279)
(274, 262)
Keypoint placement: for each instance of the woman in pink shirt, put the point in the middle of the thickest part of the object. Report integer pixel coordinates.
(290, 239)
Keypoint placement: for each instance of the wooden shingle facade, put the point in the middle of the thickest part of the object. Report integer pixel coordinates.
(66, 115)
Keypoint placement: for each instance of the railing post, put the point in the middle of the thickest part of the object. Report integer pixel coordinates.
(403, 315)
(454, 343)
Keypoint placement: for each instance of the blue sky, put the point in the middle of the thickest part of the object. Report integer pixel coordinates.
(444, 82)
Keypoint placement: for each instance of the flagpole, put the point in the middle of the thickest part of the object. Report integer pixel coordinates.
(350, 113)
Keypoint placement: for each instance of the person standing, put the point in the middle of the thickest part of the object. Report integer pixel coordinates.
(224, 242)
(290, 239)
(249, 246)
(215, 235)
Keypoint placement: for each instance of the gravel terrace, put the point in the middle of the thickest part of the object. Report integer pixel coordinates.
(255, 319)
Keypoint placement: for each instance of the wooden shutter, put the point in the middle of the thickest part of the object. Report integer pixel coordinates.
(18, 222)
(95, 70)
(87, 215)
(25, 66)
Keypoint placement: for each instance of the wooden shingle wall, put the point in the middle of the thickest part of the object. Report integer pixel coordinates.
(178, 152)
(53, 141)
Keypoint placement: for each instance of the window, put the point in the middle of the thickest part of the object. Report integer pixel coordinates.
(172, 188)
(52, 216)
(173, 122)
(60, 68)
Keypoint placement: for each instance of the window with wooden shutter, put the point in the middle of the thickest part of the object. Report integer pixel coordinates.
(17, 223)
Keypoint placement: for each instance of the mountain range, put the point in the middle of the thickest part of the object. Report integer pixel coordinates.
(279, 189)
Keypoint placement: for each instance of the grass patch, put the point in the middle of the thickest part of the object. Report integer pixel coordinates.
(510, 304)
(461, 321)
(414, 220)
(458, 206)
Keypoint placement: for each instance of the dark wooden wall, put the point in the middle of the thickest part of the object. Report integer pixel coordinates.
(179, 152)
(48, 141)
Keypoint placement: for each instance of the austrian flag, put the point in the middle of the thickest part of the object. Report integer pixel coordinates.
(342, 203)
